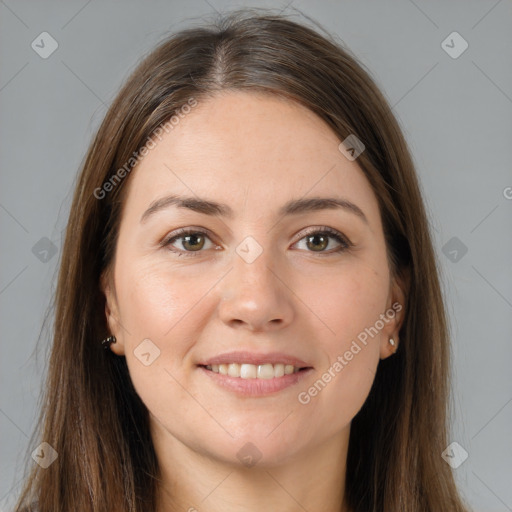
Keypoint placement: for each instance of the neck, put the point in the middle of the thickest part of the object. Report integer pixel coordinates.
(196, 482)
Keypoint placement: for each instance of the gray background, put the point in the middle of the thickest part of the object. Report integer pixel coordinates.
(456, 114)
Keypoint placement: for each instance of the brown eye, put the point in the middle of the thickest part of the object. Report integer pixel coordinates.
(188, 242)
(321, 238)
(317, 242)
(193, 242)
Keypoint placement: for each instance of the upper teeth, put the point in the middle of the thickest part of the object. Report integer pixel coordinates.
(253, 371)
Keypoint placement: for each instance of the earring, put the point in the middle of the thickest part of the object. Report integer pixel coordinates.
(392, 343)
(108, 341)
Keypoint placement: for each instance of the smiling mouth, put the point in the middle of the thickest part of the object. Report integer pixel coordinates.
(254, 371)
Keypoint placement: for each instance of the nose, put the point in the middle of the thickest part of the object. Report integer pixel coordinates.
(256, 296)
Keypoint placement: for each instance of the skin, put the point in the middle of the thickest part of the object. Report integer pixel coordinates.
(253, 152)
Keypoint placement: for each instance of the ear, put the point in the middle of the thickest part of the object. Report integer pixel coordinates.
(112, 312)
(395, 313)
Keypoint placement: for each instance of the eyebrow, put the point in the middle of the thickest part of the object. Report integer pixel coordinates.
(293, 207)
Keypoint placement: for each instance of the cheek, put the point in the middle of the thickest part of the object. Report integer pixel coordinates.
(154, 298)
(152, 306)
(159, 309)
(353, 298)
(352, 306)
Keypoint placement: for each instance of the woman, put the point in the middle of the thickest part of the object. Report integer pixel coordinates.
(249, 244)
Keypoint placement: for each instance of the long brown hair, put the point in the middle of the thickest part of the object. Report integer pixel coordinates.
(91, 414)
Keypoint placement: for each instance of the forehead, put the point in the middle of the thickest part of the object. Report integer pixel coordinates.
(250, 149)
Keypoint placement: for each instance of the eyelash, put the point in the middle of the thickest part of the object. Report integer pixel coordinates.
(323, 230)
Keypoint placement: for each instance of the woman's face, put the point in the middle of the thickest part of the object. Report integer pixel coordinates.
(251, 286)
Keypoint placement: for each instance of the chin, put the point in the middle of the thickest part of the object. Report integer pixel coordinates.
(256, 449)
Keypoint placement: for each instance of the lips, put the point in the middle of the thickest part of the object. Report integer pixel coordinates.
(255, 387)
(255, 374)
(245, 357)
